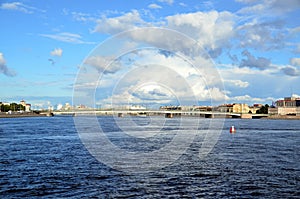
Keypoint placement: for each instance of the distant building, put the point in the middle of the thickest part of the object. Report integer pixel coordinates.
(59, 107)
(170, 108)
(137, 107)
(255, 108)
(81, 106)
(202, 108)
(27, 107)
(67, 107)
(234, 108)
(240, 108)
(287, 106)
(228, 108)
(23, 103)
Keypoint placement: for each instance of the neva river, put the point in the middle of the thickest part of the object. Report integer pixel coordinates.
(45, 157)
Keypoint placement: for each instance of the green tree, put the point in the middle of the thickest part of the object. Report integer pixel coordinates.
(263, 109)
(13, 106)
(5, 108)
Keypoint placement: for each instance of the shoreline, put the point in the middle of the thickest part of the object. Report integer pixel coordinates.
(19, 115)
(282, 117)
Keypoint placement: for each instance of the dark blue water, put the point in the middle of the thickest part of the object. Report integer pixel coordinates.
(44, 157)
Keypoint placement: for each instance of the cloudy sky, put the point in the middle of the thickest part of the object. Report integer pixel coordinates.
(149, 52)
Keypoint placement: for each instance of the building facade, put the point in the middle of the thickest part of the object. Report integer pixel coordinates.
(287, 106)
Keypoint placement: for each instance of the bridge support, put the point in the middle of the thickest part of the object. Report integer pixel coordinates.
(246, 116)
(120, 115)
(168, 115)
(209, 115)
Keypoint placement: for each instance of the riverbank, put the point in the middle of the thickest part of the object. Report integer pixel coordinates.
(17, 115)
(283, 117)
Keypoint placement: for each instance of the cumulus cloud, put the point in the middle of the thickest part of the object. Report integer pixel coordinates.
(114, 25)
(211, 29)
(260, 63)
(155, 93)
(238, 83)
(247, 98)
(57, 52)
(291, 71)
(4, 69)
(295, 61)
(107, 65)
(151, 77)
(262, 35)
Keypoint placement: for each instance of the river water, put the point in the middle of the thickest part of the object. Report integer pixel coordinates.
(45, 158)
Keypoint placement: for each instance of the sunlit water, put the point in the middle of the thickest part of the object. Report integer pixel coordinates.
(44, 157)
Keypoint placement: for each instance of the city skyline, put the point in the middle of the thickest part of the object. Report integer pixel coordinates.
(254, 45)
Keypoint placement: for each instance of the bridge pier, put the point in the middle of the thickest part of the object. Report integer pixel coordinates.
(168, 115)
(209, 115)
(246, 116)
(120, 115)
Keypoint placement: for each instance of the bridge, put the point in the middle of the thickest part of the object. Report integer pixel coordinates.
(166, 113)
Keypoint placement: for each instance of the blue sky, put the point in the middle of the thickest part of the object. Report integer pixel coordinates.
(46, 45)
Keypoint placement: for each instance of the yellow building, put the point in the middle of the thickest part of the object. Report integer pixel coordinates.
(23, 103)
(240, 108)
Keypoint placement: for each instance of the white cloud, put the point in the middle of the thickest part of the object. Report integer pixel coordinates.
(79, 16)
(125, 22)
(15, 6)
(57, 52)
(154, 6)
(211, 29)
(67, 37)
(215, 32)
(182, 4)
(273, 7)
(156, 77)
(295, 95)
(262, 35)
(18, 6)
(104, 64)
(170, 2)
(238, 83)
(295, 61)
(246, 98)
(233, 71)
(4, 69)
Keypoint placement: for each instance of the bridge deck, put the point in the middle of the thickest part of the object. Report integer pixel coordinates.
(113, 112)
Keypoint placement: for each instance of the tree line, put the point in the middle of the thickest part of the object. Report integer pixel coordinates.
(263, 109)
(11, 107)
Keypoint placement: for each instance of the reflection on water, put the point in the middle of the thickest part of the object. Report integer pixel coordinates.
(44, 157)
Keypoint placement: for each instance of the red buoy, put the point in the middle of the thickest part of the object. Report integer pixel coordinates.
(232, 129)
